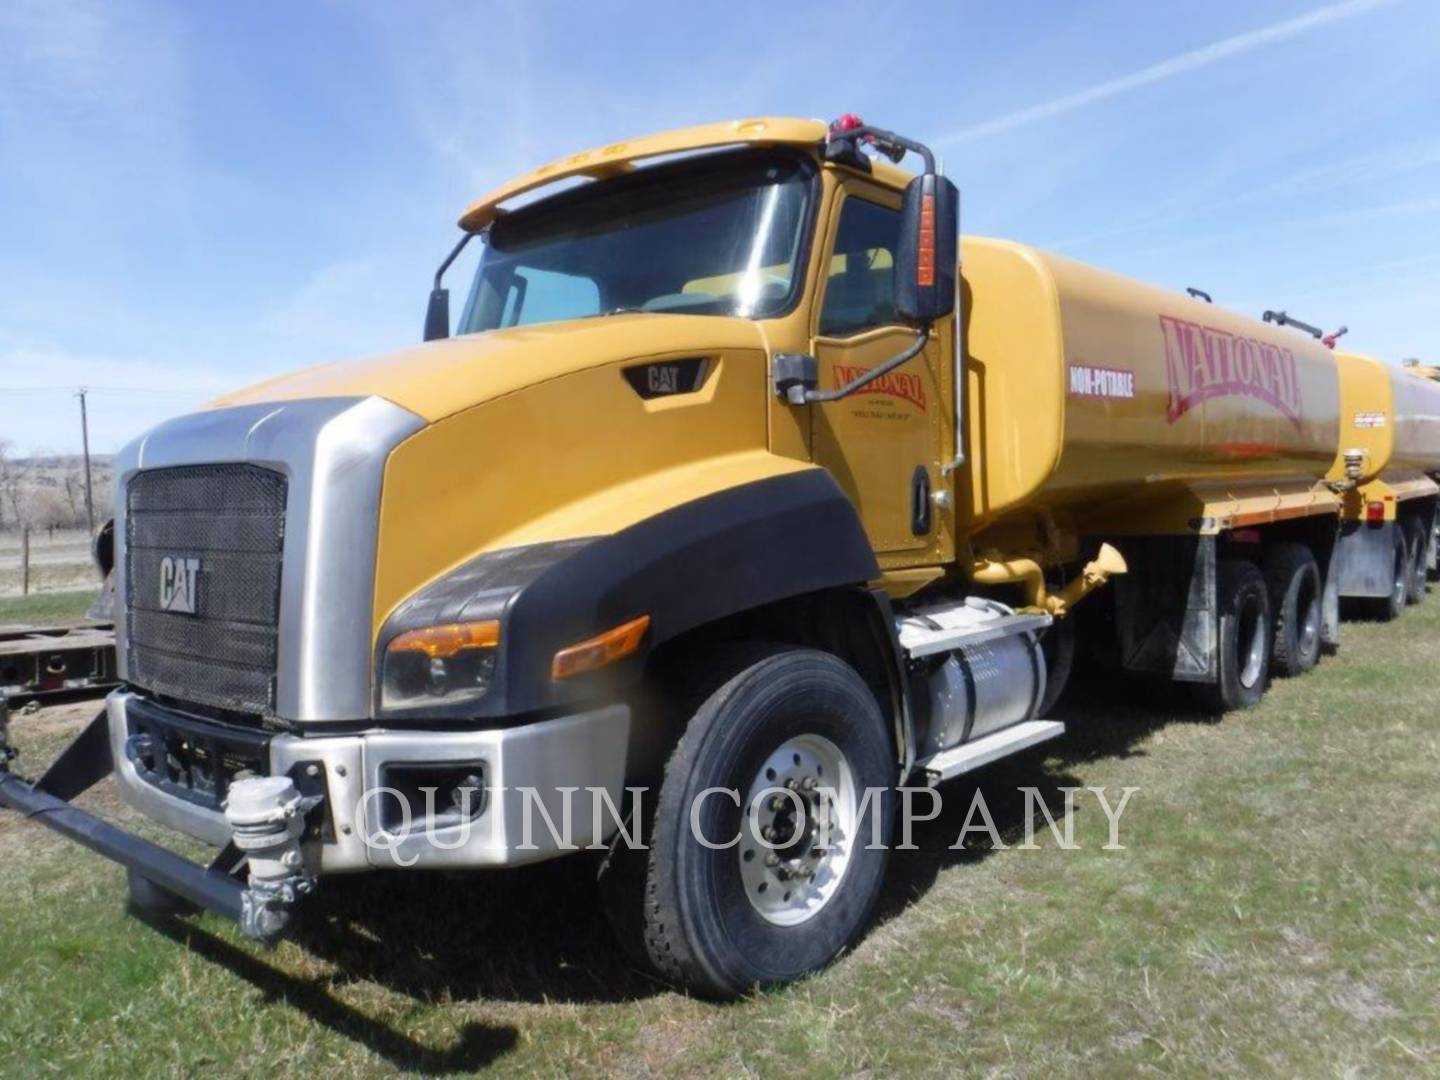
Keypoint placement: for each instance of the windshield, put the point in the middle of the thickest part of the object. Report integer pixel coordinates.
(717, 236)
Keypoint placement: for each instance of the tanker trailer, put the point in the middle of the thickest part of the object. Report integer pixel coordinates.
(1193, 439)
(1431, 439)
(735, 496)
(1389, 449)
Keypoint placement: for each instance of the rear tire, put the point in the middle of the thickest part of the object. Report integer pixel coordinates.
(719, 922)
(1245, 639)
(1292, 577)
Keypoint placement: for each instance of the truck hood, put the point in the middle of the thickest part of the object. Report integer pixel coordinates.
(440, 378)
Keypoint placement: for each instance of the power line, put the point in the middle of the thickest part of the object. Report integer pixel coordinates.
(76, 388)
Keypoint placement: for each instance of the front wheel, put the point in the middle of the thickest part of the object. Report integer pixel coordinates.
(766, 857)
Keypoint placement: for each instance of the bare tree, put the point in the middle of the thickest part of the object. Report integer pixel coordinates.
(48, 510)
(14, 472)
(74, 484)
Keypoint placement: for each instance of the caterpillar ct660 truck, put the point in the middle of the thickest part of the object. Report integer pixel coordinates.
(739, 494)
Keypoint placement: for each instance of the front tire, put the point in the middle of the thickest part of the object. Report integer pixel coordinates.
(772, 728)
(1245, 638)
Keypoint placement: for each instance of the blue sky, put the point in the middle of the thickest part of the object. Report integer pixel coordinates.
(194, 196)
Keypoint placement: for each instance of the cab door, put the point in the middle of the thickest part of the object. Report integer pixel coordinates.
(886, 443)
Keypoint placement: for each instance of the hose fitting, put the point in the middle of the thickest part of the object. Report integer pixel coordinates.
(266, 816)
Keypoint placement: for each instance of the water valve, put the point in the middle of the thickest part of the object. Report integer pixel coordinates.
(266, 816)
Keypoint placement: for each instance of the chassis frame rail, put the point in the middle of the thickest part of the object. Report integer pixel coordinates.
(54, 665)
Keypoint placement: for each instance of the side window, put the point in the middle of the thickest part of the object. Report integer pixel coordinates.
(860, 289)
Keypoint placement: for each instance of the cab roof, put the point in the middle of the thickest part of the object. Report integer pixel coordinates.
(621, 157)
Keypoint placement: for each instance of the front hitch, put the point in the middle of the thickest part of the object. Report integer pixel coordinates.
(269, 821)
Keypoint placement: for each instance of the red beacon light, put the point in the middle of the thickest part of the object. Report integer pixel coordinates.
(1331, 338)
(844, 128)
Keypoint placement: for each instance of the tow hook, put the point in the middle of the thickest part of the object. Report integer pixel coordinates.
(266, 816)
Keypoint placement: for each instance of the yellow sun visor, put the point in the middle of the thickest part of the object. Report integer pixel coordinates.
(620, 157)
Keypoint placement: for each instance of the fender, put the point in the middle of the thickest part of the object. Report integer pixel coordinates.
(718, 555)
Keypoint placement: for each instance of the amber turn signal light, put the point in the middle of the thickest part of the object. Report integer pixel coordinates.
(925, 267)
(439, 642)
(600, 651)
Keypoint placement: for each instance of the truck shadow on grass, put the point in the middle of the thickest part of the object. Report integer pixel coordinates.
(537, 934)
(478, 1044)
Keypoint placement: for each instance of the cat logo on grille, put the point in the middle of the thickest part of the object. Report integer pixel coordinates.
(178, 578)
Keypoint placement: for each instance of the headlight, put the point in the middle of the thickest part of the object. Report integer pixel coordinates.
(439, 665)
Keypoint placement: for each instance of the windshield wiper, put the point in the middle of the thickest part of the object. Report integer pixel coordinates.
(624, 311)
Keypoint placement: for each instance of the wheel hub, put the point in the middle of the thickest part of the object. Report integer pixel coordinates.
(799, 821)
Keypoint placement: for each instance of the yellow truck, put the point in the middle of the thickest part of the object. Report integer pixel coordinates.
(740, 493)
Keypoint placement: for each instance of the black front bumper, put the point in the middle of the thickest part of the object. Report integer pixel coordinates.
(79, 767)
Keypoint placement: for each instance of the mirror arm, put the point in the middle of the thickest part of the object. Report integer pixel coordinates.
(454, 254)
(822, 396)
(886, 139)
(437, 311)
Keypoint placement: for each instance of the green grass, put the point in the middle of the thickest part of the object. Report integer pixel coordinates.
(47, 608)
(1276, 911)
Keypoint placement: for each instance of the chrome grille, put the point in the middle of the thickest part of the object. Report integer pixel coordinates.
(231, 518)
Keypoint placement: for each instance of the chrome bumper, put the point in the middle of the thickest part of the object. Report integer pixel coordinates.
(531, 773)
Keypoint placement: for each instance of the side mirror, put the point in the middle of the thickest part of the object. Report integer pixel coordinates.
(925, 263)
(437, 315)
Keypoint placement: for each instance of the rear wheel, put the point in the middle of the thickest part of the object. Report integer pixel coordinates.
(1293, 579)
(759, 868)
(1245, 638)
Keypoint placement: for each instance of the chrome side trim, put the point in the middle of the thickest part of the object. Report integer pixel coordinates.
(333, 453)
(341, 758)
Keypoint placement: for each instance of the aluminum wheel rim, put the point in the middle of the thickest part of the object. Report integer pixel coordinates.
(799, 830)
(1252, 641)
(1402, 568)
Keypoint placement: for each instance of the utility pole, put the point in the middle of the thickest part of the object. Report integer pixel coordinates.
(85, 442)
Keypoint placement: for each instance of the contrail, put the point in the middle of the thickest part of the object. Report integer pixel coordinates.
(1166, 69)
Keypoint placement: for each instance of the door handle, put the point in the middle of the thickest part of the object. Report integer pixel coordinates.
(920, 501)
